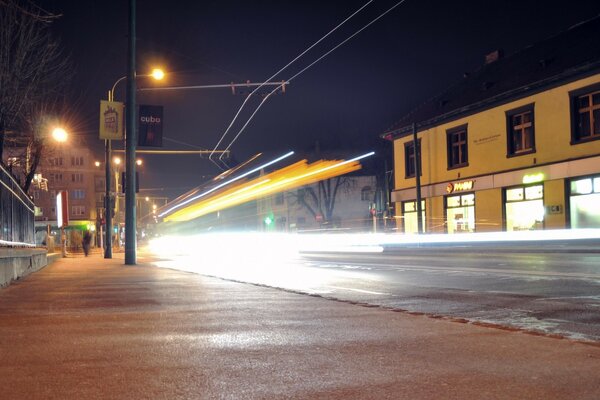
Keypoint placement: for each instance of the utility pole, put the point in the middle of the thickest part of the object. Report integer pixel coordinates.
(418, 179)
(130, 143)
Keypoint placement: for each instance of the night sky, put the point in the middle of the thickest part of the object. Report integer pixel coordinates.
(344, 101)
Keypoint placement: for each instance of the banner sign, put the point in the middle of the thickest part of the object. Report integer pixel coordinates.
(150, 125)
(111, 120)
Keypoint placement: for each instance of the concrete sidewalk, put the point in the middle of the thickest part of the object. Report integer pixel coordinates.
(90, 328)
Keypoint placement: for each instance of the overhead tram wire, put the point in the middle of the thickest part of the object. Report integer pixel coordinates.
(309, 66)
(281, 70)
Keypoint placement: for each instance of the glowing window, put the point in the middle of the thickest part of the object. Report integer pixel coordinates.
(468, 200)
(453, 201)
(581, 186)
(534, 192)
(514, 194)
(597, 185)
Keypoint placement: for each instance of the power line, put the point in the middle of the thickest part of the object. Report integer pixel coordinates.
(310, 65)
(281, 70)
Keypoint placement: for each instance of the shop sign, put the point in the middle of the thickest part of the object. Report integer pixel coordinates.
(462, 186)
(533, 178)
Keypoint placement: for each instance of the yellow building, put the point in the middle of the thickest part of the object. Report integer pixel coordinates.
(514, 146)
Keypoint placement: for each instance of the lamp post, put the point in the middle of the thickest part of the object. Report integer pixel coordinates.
(157, 74)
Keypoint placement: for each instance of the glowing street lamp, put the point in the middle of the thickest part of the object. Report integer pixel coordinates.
(157, 74)
(139, 161)
(59, 134)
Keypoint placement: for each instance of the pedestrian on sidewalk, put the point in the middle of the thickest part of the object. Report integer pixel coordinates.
(87, 239)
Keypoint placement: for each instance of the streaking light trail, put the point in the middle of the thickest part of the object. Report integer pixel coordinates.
(225, 183)
(292, 176)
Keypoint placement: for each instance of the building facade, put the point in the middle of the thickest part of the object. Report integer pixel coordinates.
(515, 146)
(70, 167)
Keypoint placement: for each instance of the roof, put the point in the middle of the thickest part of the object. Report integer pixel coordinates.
(565, 57)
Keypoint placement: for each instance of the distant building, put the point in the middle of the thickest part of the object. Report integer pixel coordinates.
(298, 210)
(514, 146)
(70, 167)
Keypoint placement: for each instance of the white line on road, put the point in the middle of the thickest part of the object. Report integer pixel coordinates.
(359, 290)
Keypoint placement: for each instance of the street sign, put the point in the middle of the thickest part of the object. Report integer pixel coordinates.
(150, 125)
(111, 120)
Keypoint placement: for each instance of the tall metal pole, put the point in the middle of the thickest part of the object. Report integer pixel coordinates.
(130, 143)
(107, 202)
(418, 179)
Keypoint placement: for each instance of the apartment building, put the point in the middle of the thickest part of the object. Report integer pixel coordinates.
(70, 167)
(513, 146)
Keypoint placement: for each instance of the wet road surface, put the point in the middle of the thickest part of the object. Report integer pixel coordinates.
(95, 329)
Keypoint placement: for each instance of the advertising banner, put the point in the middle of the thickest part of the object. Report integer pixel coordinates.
(150, 126)
(111, 120)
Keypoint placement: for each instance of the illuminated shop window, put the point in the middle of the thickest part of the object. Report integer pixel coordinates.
(409, 213)
(582, 186)
(525, 208)
(460, 213)
(585, 203)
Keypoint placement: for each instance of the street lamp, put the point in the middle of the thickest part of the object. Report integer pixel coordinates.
(59, 134)
(157, 74)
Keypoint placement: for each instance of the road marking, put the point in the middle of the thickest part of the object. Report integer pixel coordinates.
(359, 290)
(499, 271)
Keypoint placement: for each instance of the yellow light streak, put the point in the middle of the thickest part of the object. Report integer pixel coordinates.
(290, 177)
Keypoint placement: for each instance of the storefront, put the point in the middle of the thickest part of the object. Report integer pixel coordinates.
(409, 215)
(460, 213)
(524, 208)
(584, 202)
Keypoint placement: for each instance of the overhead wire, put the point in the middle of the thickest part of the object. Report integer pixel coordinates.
(281, 70)
(309, 66)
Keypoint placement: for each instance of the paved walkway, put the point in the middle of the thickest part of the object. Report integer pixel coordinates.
(90, 328)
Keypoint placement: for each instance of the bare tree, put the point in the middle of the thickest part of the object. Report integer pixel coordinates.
(33, 75)
(320, 198)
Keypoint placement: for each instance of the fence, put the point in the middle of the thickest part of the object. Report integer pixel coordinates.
(16, 213)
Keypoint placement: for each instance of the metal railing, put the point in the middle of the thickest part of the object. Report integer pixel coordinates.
(17, 213)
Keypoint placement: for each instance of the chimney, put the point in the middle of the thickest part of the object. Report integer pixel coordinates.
(493, 56)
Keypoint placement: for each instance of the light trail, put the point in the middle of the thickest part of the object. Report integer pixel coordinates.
(225, 184)
(292, 176)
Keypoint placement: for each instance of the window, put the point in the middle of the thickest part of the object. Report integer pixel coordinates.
(55, 162)
(460, 213)
(78, 194)
(76, 177)
(410, 216)
(78, 211)
(409, 159)
(36, 194)
(520, 135)
(77, 161)
(524, 208)
(585, 109)
(366, 193)
(457, 147)
(55, 178)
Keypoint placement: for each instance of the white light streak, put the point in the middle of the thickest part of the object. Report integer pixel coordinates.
(225, 183)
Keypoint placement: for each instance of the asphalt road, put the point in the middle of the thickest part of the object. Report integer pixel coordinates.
(553, 292)
(551, 288)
